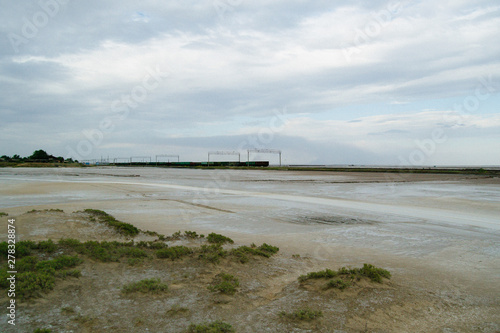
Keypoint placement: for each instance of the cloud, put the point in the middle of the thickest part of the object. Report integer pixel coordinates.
(350, 74)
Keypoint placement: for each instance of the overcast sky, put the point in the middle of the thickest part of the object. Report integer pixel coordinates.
(326, 82)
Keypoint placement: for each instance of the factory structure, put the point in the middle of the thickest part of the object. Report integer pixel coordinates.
(172, 160)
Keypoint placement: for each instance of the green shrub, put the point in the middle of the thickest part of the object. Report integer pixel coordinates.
(174, 252)
(4, 247)
(126, 229)
(42, 330)
(326, 274)
(213, 327)
(31, 284)
(134, 261)
(2, 214)
(145, 286)
(133, 252)
(224, 283)
(265, 250)
(58, 263)
(375, 274)
(212, 253)
(191, 234)
(26, 264)
(338, 284)
(175, 236)
(68, 272)
(69, 243)
(25, 248)
(157, 245)
(39, 276)
(219, 239)
(268, 248)
(47, 246)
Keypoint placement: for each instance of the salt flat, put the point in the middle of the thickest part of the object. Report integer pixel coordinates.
(434, 232)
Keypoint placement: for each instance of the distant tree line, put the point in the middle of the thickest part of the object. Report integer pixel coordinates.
(39, 156)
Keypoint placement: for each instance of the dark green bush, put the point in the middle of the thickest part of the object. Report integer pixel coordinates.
(225, 283)
(219, 239)
(375, 274)
(47, 246)
(212, 253)
(25, 248)
(338, 284)
(264, 250)
(213, 327)
(174, 252)
(145, 286)
(31, 284)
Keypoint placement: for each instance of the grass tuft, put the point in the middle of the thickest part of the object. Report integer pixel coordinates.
(225, 284)
(145, 286)
(213, 327)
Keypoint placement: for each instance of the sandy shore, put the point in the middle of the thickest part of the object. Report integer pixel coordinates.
(439, 235)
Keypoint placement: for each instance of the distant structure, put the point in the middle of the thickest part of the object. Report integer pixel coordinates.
(265, 151)
(167, 157)
(147, 160)
(142, 158)
(223, 153)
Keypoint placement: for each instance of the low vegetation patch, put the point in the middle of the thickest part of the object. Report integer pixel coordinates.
(145, 286)
(123, 228)
(103, 251)
(338, 284)
(192, 234)
(347, 276)
(174, 252)
(177, 310)
(302, 314)
(225, 284)
(219, 239)
(212, 253)
(3, 214)
(213, 327)
(35, 276)
(265, 250)
(154, 245)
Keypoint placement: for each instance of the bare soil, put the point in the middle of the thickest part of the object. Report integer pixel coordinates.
(94, 302)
